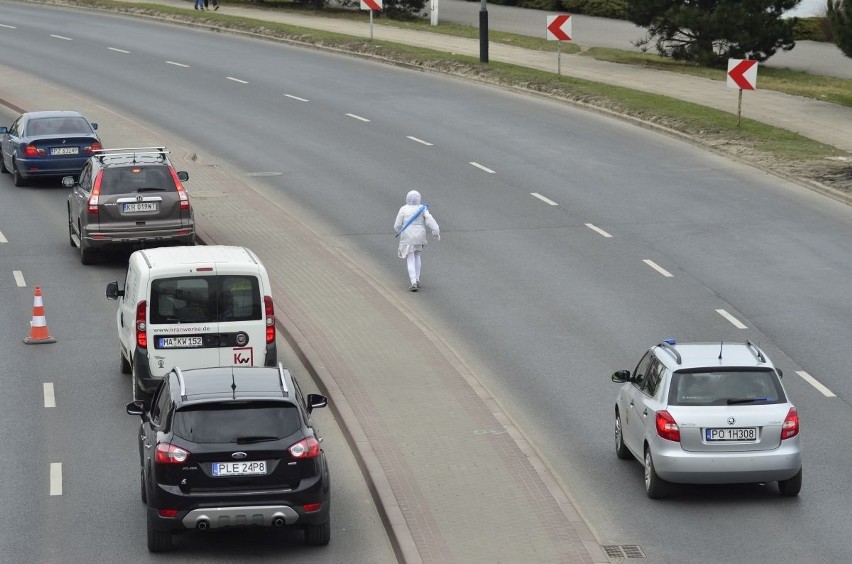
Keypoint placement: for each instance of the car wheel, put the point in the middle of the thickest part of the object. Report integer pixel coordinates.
(621, 450)
(71, 231)
(125, 366)
(3, 169)
(138, 392)
(318, 535)
(87, 255)
(791, 487)
(142, 493)
(158, 540)
(655, 487)
(17, 179)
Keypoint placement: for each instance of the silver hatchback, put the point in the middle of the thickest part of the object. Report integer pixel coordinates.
(708, 413)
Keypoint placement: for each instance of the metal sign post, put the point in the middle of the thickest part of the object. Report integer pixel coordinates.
(372, 6)
(742, 75)
(559, 30)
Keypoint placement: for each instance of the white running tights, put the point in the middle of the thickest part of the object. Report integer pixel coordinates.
(413, 263)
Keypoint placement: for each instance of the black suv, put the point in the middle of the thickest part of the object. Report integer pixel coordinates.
(231, 447)
(128, 197)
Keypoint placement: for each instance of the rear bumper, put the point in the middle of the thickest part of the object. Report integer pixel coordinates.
(47, 167)
(157, 238)
(674, 464)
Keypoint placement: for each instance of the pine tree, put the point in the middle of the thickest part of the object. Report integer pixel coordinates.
(840, 18)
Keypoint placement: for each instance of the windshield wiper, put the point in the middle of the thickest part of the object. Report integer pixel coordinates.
(255, 439)
(745, 400)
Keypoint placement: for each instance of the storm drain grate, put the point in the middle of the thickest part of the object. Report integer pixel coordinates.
(624, 551)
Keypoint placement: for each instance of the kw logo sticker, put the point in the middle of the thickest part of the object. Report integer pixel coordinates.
(244, 355)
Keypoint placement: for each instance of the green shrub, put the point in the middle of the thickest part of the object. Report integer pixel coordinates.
(616, 9)
(549, 5)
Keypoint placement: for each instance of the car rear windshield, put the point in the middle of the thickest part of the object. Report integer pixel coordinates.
(137, 179)
(236, 422)
(58, 126)
(726, 387)
(205, 299)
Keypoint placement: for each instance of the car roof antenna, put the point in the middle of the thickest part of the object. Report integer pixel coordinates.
(721, 344)
(233, 386)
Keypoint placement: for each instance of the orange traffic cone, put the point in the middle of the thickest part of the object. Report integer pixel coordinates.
(38, 327)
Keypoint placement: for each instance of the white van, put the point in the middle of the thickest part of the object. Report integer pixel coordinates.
(193, 307)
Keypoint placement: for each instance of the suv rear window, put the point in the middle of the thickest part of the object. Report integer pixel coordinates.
(237, 422)
(725, 387)
(138, 178)
(205, 299)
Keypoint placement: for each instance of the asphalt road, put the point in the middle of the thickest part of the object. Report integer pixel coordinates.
(63, 404)
(540, 302)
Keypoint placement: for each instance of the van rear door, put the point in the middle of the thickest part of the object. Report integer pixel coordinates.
(242, 324)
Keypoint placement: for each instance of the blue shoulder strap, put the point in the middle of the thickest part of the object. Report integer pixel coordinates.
(423, 208)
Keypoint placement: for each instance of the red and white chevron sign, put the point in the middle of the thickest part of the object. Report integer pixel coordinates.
(374, 5)
(742, 74)
(559, 27)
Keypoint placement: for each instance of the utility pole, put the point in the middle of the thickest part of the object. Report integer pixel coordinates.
(483, 33)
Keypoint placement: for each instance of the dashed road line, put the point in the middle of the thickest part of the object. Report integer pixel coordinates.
(49, 396)
(55, 478)
(357, 117)
(547, 201)
(734, 321)
(296, 98)
(237, 80)
(62, 37)
(598, 230)
(19, 278)
(117, 50)
(658, 268)
(177, 64)
(480, 167)
(3, 238)
(8, 26)
(816, 384)
(421, 141)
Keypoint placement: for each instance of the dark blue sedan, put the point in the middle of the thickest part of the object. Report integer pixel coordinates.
(47, 144)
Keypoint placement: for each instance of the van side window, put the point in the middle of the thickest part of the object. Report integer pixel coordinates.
(205, 299)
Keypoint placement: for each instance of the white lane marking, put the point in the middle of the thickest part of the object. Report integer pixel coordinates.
(49, 396)
(358, 117)
(421, 141)
(547, 201)
(734, 321)
(296, 98)
(117, 50)
(177, 64)
(598, 230)
(816, 384)
(237, 80)
(480, 167)
(8, 26)
(62, 37)
(658, 268)
(3, 238)
(55, 478)
(19, 278)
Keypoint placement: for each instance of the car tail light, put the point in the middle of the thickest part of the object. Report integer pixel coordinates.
(170, 454)
(169, 513)
(33, 151)
(311, 507)
(96, 191)
(95, 146)
(270, 319)
(184, 198)
(306, 448)
(790, 428)
(141, 335)
(667, 427)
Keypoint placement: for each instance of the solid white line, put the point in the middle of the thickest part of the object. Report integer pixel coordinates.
(813, 382)
(421, 141)
(597, 229)
(480, 167)
(177, 64)
(55, 478)
(49, 397)
(296, 98)
(734, 321)
(543, 199)
(357, 117)
(62, 37)
(236, 80)
(8, 26)
(19, 278)
(3, 238)
(658, 268)
(117, 50)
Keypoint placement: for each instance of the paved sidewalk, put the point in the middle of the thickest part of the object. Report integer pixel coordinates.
(821, 121)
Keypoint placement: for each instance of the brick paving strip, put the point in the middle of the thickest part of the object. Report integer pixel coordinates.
(453, 479)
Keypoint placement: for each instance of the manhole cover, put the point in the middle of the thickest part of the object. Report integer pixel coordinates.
(624, 551)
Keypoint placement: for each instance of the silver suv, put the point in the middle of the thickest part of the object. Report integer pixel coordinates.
(128, 197)
(708, 413)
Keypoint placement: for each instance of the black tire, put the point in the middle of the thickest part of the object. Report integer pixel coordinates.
(791, 487)
(70, 231)
(138, 392)
(621, 451)
(17, 179)
(87, 255)
(3, 169)
(142, 493)
(125, 365)
(655, 487)
(318, 535)
(158, 540)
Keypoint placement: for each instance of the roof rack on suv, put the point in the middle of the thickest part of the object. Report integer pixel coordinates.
(179, 375)
(755, 350)
(132, 154)
(668, 346)
(281, 371)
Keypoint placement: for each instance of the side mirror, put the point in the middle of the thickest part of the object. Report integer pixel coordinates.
(94, 126)
(621, 376)
(316, 400)
(68, 181)
(112, 291)
(3, 129)
(136, 408)
(183, 175)
(780, 373)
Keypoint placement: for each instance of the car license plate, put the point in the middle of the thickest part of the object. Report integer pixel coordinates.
(140, 207)
(179, 342)
(64, 150)
(252, 468)
(740, 434)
